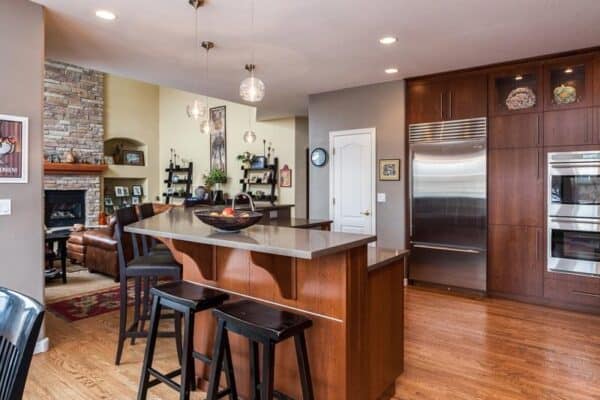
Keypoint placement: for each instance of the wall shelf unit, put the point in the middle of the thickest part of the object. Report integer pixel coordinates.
(261, 177)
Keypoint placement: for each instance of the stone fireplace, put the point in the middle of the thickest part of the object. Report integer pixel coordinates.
(73, 122)
(64, 208)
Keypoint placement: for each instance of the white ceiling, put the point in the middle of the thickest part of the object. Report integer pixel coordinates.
(310, 46)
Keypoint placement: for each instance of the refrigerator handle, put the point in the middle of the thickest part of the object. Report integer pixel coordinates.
(454, 249)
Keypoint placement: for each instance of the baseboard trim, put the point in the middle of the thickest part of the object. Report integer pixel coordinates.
(42, 346)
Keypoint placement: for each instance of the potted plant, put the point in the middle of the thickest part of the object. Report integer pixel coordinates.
(246, 159)
(215, 178)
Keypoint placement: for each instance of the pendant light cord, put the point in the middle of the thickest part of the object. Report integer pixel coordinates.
(253, 32)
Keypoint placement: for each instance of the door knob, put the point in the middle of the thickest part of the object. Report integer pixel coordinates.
(367, 213)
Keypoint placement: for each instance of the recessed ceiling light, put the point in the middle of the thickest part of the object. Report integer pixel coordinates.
(391, 71)
(569, 70)
(106, 15)
(388, 40)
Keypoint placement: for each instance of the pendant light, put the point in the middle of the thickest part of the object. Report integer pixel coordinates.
(205, 124)
(249, 135)
(197, 110)
(252, 89)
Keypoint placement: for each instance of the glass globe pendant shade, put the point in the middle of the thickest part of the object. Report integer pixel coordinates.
(205, 127)
(252, 89)
(196, 110)
(249, 136)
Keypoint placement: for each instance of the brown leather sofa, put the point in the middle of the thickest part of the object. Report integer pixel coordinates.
(101, 247)
(76, 248)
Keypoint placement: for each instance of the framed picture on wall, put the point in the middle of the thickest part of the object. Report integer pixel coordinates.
(137, 190)
(14, 156)
(218, 138)
(133, 157)
(285, 177)
(389, 170)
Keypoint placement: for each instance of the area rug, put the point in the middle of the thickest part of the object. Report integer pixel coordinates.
(90, 304)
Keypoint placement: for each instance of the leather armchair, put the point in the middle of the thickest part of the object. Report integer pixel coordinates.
(101, 247)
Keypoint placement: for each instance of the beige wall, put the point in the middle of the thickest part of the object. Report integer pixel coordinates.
(380, 106)
(21, 83)
(131, 111)
(178, 131)
(299, 181)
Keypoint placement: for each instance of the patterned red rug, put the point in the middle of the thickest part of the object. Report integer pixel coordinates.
(89, 305)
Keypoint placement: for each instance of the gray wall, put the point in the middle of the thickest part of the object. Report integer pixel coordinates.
(21, 74)
(379, 106)
(301, 136)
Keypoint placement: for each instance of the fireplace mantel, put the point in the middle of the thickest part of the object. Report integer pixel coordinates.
(73, 169)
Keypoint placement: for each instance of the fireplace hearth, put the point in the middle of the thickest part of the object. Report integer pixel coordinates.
(64, 208)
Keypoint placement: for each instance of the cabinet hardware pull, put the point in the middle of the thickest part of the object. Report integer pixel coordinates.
(442, 105)
(539, 130)
(538, 165)
(450, 106)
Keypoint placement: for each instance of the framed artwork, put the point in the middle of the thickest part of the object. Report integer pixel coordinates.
(125, 191)
(108, 201)
(389, 170)
(14, 155)
(285, 176)
(135, 200)
(133, 157)
(218, 138)
(137, 190)
(109, 160)
(119, 191)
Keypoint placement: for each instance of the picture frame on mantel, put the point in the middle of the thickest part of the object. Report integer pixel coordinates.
(14, 149)
(389, 170)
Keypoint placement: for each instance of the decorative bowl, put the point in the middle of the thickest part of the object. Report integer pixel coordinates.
(238, 221)
(565, 94)
(520, 98)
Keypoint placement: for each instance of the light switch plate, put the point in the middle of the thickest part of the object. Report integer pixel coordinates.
(5, 207)
(381, 197)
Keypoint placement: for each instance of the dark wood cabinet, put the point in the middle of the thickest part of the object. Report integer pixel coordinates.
(597, 80)
(572, 289)
(513, 131)
(516, 195)
(568, 127)
(425, 102)
(467, 97)
(515, 260)
(447, 99)
(569, 82)
(516, 89)
(596, 125)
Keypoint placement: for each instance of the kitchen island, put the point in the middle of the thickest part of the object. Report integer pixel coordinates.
(356, 343)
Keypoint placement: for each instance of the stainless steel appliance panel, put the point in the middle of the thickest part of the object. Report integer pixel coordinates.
(574, 245)
(448, 205)
(574, 184)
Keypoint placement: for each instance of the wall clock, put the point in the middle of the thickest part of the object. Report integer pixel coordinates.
(318, 157)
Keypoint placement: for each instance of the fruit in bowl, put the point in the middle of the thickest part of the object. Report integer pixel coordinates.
(229, 220)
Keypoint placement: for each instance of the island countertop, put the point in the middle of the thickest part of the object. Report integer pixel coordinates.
(181, 224)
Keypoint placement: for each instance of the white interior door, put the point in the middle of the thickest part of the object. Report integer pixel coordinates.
(352, 181)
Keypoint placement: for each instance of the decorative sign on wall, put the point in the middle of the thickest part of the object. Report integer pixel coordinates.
(389, 170)
(14, 135)
(218, 138)
(285, 177)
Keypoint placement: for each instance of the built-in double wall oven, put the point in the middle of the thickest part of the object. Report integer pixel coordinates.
(574, 212)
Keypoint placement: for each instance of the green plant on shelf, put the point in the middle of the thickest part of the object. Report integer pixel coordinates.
(215, 176)
(246, 159)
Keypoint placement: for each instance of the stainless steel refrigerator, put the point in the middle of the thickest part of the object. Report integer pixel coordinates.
(448, 203)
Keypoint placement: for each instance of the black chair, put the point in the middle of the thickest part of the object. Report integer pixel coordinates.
(149, 244)
(188, 299)
(143, 269)
(261, 325)
(20, 322)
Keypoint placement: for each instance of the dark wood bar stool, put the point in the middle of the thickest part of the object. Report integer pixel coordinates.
(142, 268)
(261, 325)
(149, 244)
(187, 299)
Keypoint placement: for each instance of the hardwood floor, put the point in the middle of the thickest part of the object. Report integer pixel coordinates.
(456, 348)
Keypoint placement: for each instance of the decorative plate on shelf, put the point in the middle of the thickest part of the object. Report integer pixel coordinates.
(565, 94)
(520, 98)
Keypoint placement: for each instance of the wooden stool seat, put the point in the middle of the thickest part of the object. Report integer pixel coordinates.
(263, 325)
(187, 299)
(189, 296)
(262, 321)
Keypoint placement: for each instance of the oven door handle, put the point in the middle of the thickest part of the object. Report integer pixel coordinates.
(575, 165)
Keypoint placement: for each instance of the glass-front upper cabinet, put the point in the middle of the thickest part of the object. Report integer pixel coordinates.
(569, 82)
(516, 89)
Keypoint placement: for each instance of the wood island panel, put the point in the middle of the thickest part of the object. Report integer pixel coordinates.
(357, 315)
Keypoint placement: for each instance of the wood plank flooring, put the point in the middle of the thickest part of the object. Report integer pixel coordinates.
(456, 348)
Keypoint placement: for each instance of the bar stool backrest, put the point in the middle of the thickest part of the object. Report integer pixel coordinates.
(125, 216)
(20, 322)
